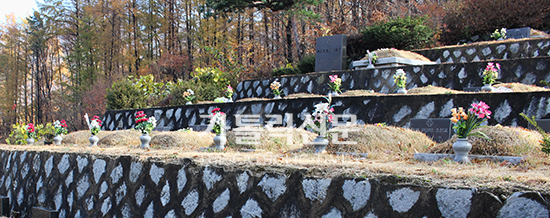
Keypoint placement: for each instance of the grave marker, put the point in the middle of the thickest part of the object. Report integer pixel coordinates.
(330, 53)
(543, 123)
(439, 129)
(518, 33)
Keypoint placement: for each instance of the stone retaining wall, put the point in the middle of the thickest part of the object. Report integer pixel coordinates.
(525, 48)
(83, 185)
(452, 75)
(393, 109)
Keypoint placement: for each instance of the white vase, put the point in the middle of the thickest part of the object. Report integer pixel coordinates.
(93, 140)
(277, 97)
(145, 139)
(333, 93)
(487, 88)
(402, 91)
(320, 144)
(462, 147)
(57, 139)
(30, 141)
(219, 141)
(189, 103)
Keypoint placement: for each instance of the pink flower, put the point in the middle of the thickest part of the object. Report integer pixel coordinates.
(333, 78)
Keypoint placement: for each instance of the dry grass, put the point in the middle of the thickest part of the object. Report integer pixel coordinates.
(432, 90)
(303, 95)
(390, 155)
(273, 139)
(504, 141)
(381, 143)
(360, 93)
(387, 53)
(520, 87)
(487, 42)
(252, 99)
(188, 140)
(81, 137)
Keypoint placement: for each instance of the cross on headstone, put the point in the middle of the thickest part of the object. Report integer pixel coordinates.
(439, 129)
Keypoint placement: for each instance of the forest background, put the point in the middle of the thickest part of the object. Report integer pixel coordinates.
(59, 62)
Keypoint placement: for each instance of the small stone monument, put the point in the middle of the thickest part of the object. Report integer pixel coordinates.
(330, 54)
(439, 129)
(518, 33)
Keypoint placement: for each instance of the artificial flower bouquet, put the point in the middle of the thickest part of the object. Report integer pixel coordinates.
(499, 34)
(335, 83)
(189, 95)
(229, 92)
(144, 124)
(321, 118)
(217, 121)
(60, 127)
(400, 79)
(95, 125)
(275, 88)
(31, 133)
(466, 122)
(490, 74)
(374, 58)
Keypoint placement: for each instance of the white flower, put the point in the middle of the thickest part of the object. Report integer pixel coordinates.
(94, 123)
(190, 92)
(321, 107)
(400, 72)
(153, 121)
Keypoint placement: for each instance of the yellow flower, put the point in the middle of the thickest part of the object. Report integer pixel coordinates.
(454, 120)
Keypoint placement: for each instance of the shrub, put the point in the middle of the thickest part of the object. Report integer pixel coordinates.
(307, 64)
(214, 76)
(286, 70)
(124, 95)
(401, 33)
(203, 91)
(481, 17)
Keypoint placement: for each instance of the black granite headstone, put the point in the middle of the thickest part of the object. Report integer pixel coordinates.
(518, 33)
(4, 206)
(39, 212)
(439, 129)
(544, 124)
(330, 53)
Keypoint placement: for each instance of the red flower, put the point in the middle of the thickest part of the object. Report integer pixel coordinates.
(216, 110)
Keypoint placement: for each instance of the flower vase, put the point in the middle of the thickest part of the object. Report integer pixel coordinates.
(402, 91)
(333, 93)
(487, 88)
(277, 97)
(57, 139)
(219, 141)
(320, 144)
(93, 140)
(30, 141)
(145, 139)
(189, 103)
(462, 147)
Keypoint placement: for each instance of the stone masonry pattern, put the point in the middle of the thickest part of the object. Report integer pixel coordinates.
(82, 185)
(530, 48)
(396, 110)
(455, 76)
